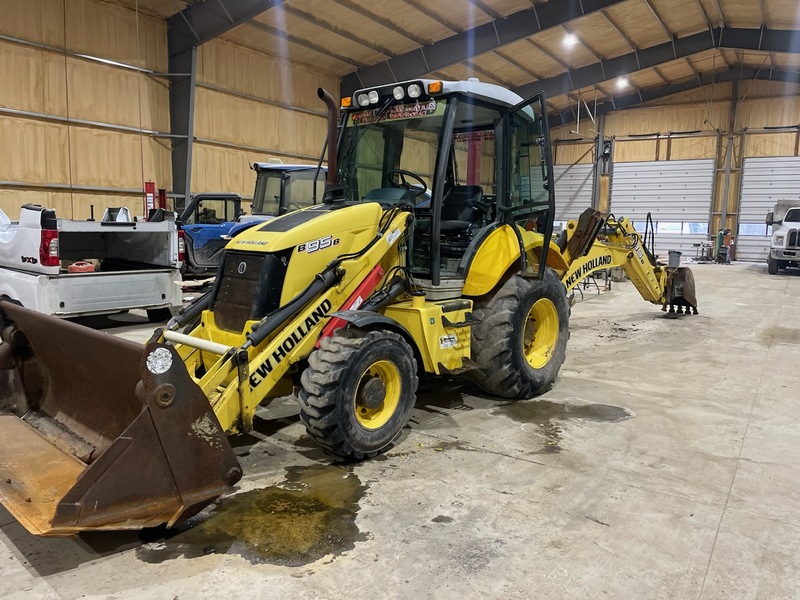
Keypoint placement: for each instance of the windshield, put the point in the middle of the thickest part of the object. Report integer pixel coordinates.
(793, 215)
(404, 137)
(298, 190)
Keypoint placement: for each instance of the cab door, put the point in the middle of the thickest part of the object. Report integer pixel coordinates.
(528, 201)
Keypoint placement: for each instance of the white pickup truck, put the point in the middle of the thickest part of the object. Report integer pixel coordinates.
(76, 268)
(784, 247)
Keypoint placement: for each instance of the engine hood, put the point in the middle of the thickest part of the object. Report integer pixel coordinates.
(298, 229)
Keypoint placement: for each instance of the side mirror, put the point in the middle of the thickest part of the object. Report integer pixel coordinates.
(769, 220)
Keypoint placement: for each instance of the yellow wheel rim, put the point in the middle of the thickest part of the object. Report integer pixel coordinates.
(540, 335)
(377, 394)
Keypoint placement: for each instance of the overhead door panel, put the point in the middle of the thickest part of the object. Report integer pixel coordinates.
(765, 181)
(676, 193)
(573, 189)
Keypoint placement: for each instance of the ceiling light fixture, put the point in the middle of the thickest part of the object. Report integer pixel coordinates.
(570, 40)
(622, 83)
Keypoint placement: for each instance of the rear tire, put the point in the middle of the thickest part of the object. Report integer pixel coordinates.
(772, 266)
(521, 342)
(358, 391)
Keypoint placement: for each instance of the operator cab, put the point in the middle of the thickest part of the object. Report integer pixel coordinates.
(437, 148)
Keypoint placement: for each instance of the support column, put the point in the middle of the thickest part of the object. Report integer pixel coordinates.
(726, 184)
(181, 113)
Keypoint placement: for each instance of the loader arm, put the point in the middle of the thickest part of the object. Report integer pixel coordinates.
(615, 244)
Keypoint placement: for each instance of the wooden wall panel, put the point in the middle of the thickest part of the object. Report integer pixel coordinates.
(634, 150)
(226, 118)
(770, 144)
(689, 148)
(247, 71)
(573, 153)
(224, 169)
(45, 151)
(253, 108)
(33, 151)
(35, 20)
(38, 79)
(110, 31)
(121, 97)
(666, 119)
(769, 112)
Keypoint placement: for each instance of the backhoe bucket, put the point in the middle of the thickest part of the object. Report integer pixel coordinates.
(100, 433)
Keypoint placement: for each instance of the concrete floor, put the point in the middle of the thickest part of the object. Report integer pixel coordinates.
(664, 464)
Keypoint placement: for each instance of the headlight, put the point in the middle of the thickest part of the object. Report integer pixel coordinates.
(414, 91)
(363, 100)
(399, 93)
(373, 97)
(778, 240)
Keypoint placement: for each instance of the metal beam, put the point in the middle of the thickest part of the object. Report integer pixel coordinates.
(181, 116)
(749, 39)
(203, 21)
(195, 25)
(735, 74)
(472, 42)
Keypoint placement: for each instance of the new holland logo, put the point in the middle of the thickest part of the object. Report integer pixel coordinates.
(242, 268)
(586, 268)
(288, 344)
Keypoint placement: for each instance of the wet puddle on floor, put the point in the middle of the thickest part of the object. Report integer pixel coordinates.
(544, 412)
(307, 517)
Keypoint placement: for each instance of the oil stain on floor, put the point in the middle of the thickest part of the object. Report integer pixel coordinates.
(544, 412)
(309, 516)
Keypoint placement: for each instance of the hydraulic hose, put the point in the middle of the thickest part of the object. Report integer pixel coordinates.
(277, 319)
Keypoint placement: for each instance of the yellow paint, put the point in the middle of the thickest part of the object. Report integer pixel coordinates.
(389, 375)
(439, 345)
(540, 335)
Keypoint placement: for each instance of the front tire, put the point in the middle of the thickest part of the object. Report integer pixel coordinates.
(772, 266)
(521, 342)
(358, 391)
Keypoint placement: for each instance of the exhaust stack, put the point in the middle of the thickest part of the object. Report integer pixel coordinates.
(333, 191)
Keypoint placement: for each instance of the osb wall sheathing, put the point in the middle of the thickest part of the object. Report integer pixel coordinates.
(292, 136)
(47, 82)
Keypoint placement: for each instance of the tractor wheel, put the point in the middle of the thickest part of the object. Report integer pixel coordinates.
(521, 342)
(772, 266)
(358, 391)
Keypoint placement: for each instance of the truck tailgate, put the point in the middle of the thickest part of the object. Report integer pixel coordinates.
(88, 293)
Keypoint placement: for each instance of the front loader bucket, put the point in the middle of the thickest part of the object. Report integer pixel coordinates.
(100, 433)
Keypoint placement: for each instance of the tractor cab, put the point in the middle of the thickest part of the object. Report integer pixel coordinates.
(466, 157)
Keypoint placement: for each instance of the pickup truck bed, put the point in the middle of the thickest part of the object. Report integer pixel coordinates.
(137, 264)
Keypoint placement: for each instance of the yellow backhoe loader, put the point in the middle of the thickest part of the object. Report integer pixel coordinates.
(350, 301)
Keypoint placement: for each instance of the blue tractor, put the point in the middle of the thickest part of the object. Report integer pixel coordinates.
(211, 219)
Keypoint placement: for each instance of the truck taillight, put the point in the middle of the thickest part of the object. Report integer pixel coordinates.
(181, 246)
(48, 248)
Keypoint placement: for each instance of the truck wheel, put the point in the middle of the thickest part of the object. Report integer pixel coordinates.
(521, 342)
(358, 391)
(772, 266)
(159, 315)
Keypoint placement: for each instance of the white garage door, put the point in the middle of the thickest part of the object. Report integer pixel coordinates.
(573, 190)
(677, 193)
(765, 181)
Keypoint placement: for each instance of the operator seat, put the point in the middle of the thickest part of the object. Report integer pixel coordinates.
(462, 211)
(460, 208)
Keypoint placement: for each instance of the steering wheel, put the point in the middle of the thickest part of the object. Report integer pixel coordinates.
(402, 174)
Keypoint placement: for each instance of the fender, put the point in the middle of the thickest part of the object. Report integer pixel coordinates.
(497, 253)
(365, 319)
